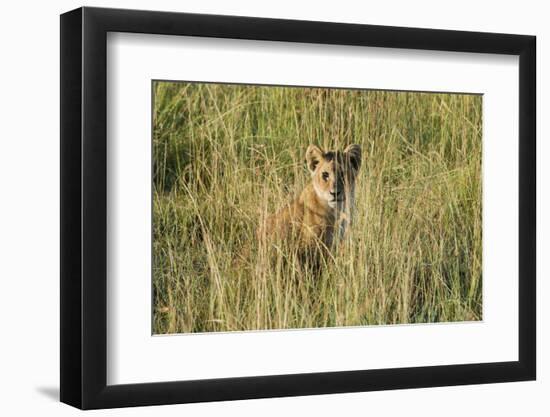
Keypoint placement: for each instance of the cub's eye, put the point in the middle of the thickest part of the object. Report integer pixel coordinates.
(325, 176)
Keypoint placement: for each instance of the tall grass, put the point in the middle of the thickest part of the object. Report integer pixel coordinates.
(225, 155)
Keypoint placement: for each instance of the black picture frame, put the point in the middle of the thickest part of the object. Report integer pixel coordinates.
(84, 207)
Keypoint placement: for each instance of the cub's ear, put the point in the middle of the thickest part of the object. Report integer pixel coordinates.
(353, 152)
(313, 157)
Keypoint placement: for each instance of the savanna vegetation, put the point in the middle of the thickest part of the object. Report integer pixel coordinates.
(226, 155)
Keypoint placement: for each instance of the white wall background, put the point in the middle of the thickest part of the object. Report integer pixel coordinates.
(29, 225)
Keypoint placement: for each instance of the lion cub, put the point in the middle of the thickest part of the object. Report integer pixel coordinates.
(320, 214)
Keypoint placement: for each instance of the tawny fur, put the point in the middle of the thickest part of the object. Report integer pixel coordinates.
(320, 214)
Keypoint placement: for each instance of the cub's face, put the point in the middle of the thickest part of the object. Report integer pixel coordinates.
(333, 172)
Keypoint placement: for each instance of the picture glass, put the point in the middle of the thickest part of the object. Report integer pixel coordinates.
(278, 207)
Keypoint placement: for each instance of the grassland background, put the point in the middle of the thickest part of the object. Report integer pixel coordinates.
(225, 155)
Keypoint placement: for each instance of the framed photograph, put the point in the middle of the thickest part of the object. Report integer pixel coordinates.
(256, 208)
